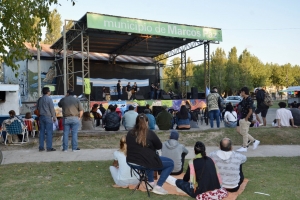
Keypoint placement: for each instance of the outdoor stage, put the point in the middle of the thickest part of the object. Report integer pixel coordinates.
(154, 104)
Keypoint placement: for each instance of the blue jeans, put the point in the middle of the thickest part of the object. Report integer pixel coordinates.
(157, 94)
(166, 170)
(214, 114)
(70, 123)
(151, 94)
(46, 126)
(186, 187)
(230, 124)
(119, 95)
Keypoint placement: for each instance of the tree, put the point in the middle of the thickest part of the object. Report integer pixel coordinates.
(232, 73)
(17, 26)
(53, 32)
(172, 74)
(218, 67)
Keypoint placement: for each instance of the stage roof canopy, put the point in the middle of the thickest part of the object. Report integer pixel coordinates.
(134, 37)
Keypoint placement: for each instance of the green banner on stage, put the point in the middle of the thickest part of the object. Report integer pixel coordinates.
(147, 27)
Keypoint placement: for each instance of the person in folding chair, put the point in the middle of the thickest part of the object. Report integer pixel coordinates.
(142, 145)
(15, 128)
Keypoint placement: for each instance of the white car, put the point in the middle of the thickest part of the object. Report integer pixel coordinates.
(234, 100)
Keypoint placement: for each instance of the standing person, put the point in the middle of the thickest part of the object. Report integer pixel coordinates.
(47, 117)
(152, 88)
(72, 111)
(134, 90)
(119, 88)
(142, 145)
(103, 94)
(245, 121)
(128, 90)
(213, 101)
(261, 107)
(157, 88)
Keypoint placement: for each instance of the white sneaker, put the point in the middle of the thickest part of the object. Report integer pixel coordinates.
(255, 144)
(152, 184)
(159, 190)
(242, 149)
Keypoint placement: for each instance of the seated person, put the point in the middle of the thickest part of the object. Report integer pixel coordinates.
(171, 93)
(87, 122)
(229, 164)
(164, 119)
(193, 121)
(296, 114)
(151, 119)
(129, 118)
(29, 118)
(283, 116)
(230, 117)
(142, 145)
(148, 107)
(12, 118)
(102, 109)
(112, 120)
(97, 114)
(120, 171)
(174, 150)
(183, 118)
(201, 175)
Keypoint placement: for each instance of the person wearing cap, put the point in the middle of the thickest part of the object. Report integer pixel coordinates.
(164, 119)
(151, 119)
(261, 107)
(72, 111)
(129, 118)
(174, 150)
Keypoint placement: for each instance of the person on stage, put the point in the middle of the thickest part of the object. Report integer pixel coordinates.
(157, 88)
(152, 88)
(119, 90)
(128, 90)
(134, 90)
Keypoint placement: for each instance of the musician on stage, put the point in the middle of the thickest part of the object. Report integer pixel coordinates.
(158, 90)
(152, 88)
(119, 87)
(134, 90)
(128, 90)
(103, 93)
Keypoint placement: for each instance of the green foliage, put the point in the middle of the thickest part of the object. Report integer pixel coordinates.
(18, 25)
(53, 32)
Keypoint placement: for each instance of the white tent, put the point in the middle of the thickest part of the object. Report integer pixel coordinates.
(291, 89)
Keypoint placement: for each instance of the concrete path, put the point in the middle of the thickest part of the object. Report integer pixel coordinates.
(24, 156)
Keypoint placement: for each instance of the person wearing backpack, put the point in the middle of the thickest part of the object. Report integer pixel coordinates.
(213, 104)
(263, 100)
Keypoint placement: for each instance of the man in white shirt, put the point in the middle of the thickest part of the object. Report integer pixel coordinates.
(129, 118)
(283, 116)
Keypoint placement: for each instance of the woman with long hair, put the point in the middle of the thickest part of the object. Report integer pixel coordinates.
(201, 175)
(230, 116)
(87, 122)
(142, 145)
(183, 118)
(120, 171)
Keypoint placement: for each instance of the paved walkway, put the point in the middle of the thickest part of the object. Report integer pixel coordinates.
(24, 156)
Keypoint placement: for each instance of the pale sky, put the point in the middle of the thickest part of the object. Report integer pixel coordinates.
(269, 29)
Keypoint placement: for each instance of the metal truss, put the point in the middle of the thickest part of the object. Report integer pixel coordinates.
(186, 47)
(70, 70)
(207, 65)
(183, 74)
(85, 50)
(125, 47)
(73, 33)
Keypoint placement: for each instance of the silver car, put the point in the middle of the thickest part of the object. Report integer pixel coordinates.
(234, 100)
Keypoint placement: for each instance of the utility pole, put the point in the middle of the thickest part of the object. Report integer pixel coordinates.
(39, 68)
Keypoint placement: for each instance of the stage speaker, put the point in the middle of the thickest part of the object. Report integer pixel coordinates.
(194, 92)
(139, 97)
(156, 110)
(176, 85)
(98, 93)
(165, 97)
(140, 109)
(201, 95)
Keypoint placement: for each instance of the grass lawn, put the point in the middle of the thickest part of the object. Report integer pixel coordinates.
(278, 177)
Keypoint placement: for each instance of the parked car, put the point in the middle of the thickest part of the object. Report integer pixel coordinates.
(233, 100)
